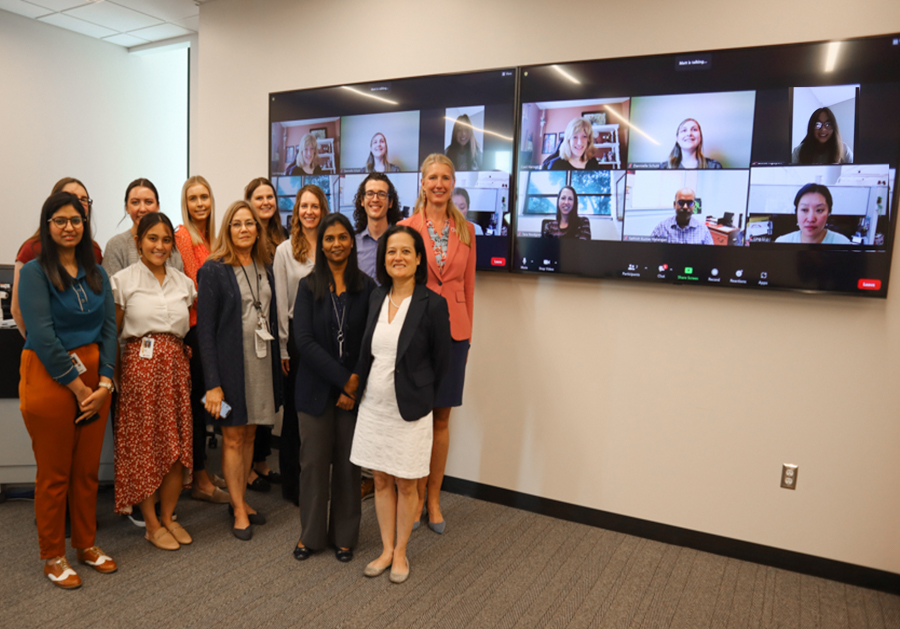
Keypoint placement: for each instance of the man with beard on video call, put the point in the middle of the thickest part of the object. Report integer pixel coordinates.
(683, 228)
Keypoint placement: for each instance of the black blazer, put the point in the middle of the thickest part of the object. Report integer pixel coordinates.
(220, 338)
(423, 350)
(320, 375)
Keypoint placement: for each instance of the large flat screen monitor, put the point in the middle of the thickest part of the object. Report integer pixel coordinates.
(768, 168)
(334, 136)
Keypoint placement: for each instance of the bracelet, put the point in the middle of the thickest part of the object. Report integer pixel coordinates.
(352, 397)
(109, 386)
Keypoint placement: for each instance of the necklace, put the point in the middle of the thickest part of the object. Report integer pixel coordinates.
(391, 298)
(340, 321)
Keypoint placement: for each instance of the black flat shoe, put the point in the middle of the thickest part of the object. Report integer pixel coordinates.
(343, 555)
(302, 554)
(255, 518)
(273, 478)
(260, 484)
(243, 534)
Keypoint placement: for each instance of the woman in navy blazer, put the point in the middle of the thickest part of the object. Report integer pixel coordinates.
(405, 357)
(329, 321)
(220, 338)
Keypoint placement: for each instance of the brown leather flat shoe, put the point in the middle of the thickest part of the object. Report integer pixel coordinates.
(162, 539)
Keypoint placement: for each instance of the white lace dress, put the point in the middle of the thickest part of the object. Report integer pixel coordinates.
(383, 441)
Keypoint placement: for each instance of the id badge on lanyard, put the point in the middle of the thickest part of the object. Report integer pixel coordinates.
(263, 336)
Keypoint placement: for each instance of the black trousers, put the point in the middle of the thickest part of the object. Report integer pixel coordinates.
(325, 452)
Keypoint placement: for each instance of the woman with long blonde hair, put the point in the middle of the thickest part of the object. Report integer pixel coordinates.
(450, 246)
(294, 260)
(193, 240)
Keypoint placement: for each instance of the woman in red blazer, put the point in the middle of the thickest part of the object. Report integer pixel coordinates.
(450, 245)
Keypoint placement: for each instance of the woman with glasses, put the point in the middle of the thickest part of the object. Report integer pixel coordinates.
(65, 383)
(261, 194)
(31, 248)
(823, 143)
(329, 321)
(294, 260)
(193, 240)
(237, 330)
(141, 198)
(154, 422)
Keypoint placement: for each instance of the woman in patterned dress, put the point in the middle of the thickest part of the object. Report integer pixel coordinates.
(154, 425)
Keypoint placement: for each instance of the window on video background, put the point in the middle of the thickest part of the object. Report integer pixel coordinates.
(703, 131)
(286, 189)
(824, 124)
(820, 205)
(574, 135)
(387, 143)
(306, 147)
(697, 207)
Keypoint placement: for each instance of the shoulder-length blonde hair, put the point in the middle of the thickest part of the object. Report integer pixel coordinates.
(224, 247)
(274, 231)
(196, 237)
(308, 140)
(459, 221)
(575, 125)
(299, 245)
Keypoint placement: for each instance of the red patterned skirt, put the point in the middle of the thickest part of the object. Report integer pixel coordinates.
(154, 424)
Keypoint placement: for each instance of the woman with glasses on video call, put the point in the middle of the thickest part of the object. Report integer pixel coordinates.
(823, 143)
(66, 384)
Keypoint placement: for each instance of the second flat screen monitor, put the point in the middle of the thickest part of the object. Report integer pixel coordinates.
(335, 136)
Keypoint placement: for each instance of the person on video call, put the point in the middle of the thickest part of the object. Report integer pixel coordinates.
(576, 152)
(307, 158)
(683, 228)
(567, 223)
(822, 144)
(812, 206)
(464, 151)
(461, 200)
(378, 161)
(688, 150)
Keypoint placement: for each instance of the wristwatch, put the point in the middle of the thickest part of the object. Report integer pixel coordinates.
(109, 386)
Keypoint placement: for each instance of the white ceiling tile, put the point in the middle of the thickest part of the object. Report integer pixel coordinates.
(74, 24)
(23, 8)
(190, 23)
(58, 5)
(167, 10)
(113, 16)
(163, 31)
(124, 39)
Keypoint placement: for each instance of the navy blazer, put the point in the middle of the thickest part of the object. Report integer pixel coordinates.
(221, 340)
(320, 374)
(423, 350)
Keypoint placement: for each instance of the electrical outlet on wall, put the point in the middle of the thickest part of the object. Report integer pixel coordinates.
(789, 476)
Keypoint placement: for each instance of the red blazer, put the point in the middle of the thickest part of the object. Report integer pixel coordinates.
(457, 283)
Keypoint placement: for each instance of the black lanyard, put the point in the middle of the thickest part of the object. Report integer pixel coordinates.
(256, 302)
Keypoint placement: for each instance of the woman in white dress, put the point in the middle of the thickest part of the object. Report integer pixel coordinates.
(405, 354)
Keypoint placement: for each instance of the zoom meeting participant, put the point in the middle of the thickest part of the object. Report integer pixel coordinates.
(683, 228)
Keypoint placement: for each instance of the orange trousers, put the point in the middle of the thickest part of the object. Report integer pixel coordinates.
(67, 456)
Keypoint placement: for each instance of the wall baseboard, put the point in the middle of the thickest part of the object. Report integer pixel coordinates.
(840, 571)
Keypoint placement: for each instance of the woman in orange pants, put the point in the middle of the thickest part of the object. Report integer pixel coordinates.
(65, 383)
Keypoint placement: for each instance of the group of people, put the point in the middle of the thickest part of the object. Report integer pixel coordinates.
(360, 331)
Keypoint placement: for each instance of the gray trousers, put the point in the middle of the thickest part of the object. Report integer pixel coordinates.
(326, 472)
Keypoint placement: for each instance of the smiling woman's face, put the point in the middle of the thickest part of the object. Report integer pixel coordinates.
(824, 128)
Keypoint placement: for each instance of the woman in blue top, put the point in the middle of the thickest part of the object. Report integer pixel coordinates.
(65, 383)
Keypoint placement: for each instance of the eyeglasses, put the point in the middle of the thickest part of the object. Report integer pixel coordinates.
(371, 194)
(824, 125)
(61, 222)
(86, 201)
(685, 202)
(239, 224)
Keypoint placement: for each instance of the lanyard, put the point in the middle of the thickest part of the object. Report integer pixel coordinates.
(340, 321)
(256, 298)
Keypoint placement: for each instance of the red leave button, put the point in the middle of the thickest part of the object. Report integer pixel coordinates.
(869, 285)
(498, 261)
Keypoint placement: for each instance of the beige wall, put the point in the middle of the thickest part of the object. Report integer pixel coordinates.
(673, 404)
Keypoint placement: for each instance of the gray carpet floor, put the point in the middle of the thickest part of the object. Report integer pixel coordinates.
(494, 567)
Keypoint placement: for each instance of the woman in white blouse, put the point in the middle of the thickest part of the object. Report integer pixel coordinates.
(154, 427)
(294, 260)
